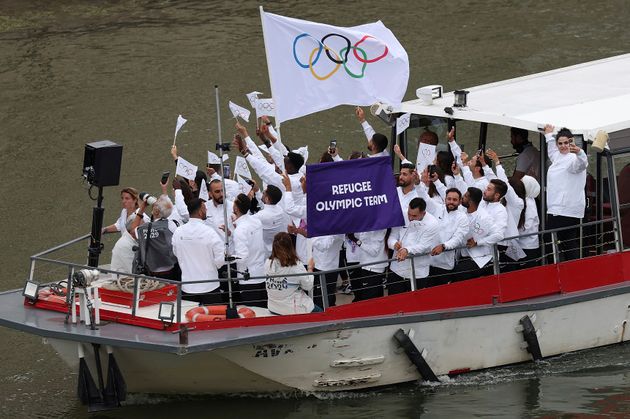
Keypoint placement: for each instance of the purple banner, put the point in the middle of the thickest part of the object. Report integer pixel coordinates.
(351, 196)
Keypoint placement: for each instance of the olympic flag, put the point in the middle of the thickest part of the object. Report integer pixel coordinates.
(314, 66)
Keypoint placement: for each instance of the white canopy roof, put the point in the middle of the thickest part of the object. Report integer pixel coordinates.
(584, 98)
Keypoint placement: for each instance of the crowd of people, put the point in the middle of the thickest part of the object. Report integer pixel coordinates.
(455, 212)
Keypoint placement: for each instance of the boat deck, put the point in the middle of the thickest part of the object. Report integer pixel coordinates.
(460, 299)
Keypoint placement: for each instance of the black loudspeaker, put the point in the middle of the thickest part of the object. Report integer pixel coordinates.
(101, 163)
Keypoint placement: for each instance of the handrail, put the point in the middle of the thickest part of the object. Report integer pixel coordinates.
(320, 274)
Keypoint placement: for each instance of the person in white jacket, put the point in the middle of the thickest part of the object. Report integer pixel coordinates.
(417, 238)
(566, 179)
(288, 294)
(249, 249)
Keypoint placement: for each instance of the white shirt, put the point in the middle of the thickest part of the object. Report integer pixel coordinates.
(531, 225)
(215, 217)
(419, 237)
(274, 220)
(454, 228)
(200, 253)
(566, 179)
(326, 251)
(369, 133)
(372, 249)
(286, 295)
(267, 173)
(487, 227)
(249, 247)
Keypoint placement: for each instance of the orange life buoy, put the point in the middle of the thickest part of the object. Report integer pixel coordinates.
(214, 313)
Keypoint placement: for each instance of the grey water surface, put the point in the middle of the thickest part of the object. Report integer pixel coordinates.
(72, 72)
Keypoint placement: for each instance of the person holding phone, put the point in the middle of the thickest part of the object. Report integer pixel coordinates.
(566, 179)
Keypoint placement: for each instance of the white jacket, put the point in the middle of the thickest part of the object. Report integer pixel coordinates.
(418, 237)
(453, 230)
(566, 179)
(286, 295)
(372, 249)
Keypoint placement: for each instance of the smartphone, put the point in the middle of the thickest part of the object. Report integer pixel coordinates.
(165, 177)
(226, 170)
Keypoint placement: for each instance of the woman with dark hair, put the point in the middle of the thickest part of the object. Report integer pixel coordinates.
(566, 179)
(287, 294)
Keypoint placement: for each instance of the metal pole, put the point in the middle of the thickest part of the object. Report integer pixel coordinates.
(614, 202)
(543, 195)
(179, 303)
(413, 276)
(97, 229)
(554, 246)
(483, 133)
(599, 203)
(134, 302)
(225, 215)
(322, 284)
(495, 259)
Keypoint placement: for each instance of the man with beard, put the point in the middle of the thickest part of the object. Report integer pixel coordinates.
(200, 253)
(487, 229)
(453, 230)
(214, 208)
(406, 188)
(528, 160)
(377, 143)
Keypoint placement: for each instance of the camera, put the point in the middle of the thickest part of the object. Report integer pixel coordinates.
(146, 197)
(85, 277)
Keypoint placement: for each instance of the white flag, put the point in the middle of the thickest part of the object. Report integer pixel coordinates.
(253, 98)
(185, 169)
(180, 122)
(226, 157)
(213, 158)
(314, 66)
(402, 123)
(265, 107)
(245, 187)
(241, 167)
(203, 191)
(426, 156)
(239, 111)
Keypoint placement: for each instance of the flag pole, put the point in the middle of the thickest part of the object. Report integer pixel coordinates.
(262, 21)
(231, 311)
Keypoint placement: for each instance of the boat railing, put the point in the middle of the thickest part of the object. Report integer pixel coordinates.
(552, 250)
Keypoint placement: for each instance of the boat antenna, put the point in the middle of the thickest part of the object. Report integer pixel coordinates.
(231, 310)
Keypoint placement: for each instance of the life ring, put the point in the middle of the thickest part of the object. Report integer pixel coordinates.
(214, 313)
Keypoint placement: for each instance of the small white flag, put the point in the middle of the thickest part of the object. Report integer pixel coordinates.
(265, 107)
(245, 187)
(302, 151)
(226, 157)
(402, 123)
(185, 169)
(239, 111)
(180, 122)
(203, 191)
(426, 156)
(213, 158)
(253, 98)
(264, 148)
(241, 167)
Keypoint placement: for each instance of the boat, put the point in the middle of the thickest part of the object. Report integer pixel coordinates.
(142, 341)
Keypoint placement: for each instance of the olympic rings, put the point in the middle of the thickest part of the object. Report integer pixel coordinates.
(374, 59)
(338, 58)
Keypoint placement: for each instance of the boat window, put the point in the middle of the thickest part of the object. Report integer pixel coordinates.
(622, 168)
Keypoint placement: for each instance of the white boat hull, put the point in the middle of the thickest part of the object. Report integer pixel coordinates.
(363, 357)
